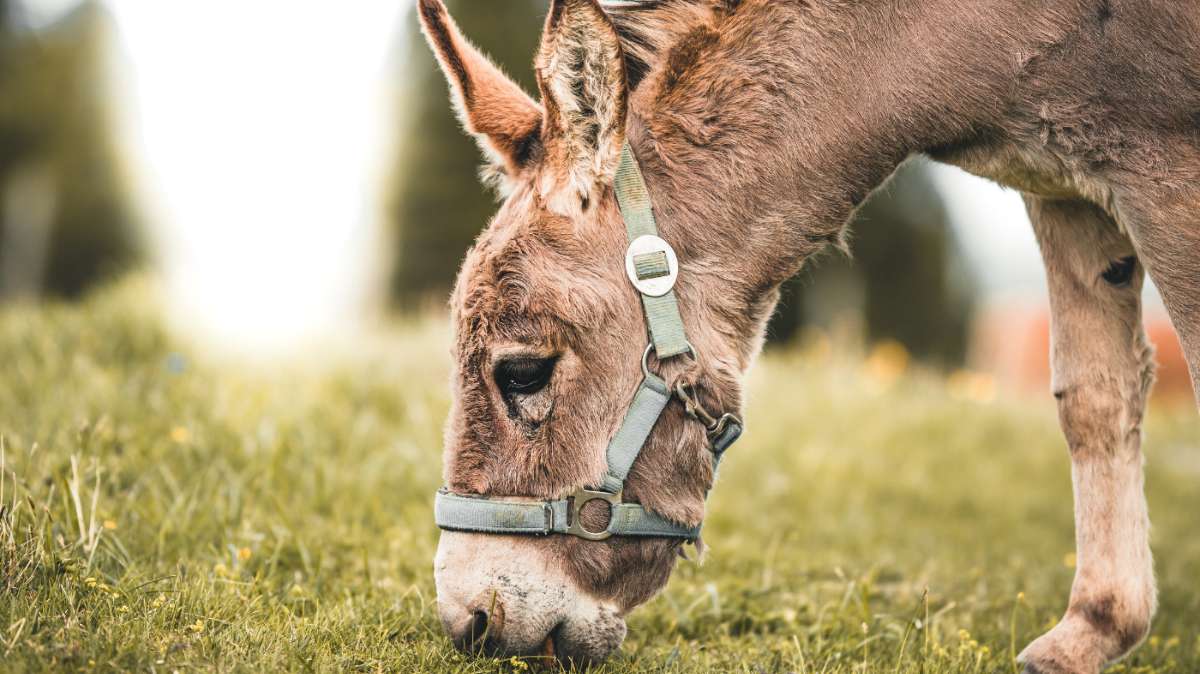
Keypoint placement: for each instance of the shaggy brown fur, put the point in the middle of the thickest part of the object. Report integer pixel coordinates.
(760, 126)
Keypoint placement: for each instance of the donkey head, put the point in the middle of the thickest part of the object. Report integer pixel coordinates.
(549, 337)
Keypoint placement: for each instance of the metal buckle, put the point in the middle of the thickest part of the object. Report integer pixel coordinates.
(581, 498)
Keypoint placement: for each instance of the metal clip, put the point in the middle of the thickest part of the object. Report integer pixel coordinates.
(713, 426)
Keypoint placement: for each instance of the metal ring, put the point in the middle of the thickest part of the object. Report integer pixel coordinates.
(650, 349)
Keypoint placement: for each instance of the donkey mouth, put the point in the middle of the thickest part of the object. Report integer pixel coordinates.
(557, 652)
(551, 655)
(548, 655)
(549, 650)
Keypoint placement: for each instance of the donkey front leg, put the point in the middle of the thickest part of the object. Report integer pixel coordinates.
(1102, 372)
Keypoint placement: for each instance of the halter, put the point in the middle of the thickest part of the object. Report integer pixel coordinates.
(653, 269)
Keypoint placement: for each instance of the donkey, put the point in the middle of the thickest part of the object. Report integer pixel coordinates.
(759, 127)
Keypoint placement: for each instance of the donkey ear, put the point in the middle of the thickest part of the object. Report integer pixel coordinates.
(493, 108)
(581, 74)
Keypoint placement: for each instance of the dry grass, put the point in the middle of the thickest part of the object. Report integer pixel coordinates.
(161, 513)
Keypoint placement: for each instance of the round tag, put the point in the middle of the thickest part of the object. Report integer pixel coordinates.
(651, 265)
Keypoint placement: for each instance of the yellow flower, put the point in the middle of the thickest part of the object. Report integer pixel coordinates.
(110, 524)
(821, 348)
(180, 434)
(1069, 560)
(887, 362)
(244, 554)
(197, 626)
(978, 387)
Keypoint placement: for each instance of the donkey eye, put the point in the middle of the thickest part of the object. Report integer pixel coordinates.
(1120, 273)
(524, 376)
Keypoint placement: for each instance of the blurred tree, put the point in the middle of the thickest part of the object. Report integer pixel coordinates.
(903, 274)
(439, 206)
(901, 279)
(15, 134)
(56, 150)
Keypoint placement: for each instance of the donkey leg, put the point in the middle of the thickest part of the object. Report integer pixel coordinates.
(1165, 226)
(1102, 373)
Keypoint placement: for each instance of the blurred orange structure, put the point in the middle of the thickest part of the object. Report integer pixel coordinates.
(1012, 341)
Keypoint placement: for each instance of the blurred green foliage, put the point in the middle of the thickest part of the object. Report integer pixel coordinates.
(906, 285)
(55, 118)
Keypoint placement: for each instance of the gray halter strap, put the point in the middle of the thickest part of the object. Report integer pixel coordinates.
(652, 268)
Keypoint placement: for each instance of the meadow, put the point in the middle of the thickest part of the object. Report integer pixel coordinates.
(164, 511)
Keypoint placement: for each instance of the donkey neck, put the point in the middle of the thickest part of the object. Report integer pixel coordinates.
(763, 125)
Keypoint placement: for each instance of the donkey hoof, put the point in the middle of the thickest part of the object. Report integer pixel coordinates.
(1069, 648)
(1032, 668)
(1048, 663)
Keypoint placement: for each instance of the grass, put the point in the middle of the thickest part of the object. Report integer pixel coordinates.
(161, 512)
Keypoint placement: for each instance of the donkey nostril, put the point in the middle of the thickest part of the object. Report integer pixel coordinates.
(475, 627)
(479, 628)
(474, 633)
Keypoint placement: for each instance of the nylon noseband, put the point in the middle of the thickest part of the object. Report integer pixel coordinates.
(652, 268)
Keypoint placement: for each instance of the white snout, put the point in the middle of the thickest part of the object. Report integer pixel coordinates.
(505, 595)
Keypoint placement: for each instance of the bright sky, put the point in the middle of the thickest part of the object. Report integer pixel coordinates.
(994, 230)
(259, 129)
